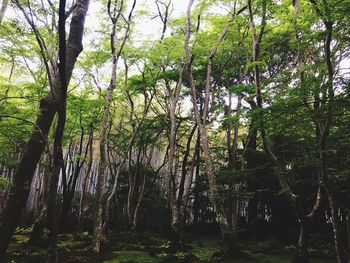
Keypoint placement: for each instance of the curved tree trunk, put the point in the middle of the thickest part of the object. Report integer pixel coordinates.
(48, 106)
(22, 179)
(98, 216)
(226, 230)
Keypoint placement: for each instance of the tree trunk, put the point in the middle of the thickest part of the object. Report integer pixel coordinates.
(102, 165)
(84, 185)
(22, 179)
(98, 221)
(342, 257)
(40, 221)
(139, 202)
(197, 173)
(71, 186)
(37, 142)
(3, 9)
(52, 202)
(348, 229)
(302, 254)
(226, 230)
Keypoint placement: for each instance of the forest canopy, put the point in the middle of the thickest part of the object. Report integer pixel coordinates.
(210, 130)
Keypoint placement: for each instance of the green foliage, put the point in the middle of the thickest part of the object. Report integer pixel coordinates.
(4, 182)
(23, 231)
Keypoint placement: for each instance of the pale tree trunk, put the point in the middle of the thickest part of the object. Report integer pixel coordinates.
(225, 227)
(183, 200)
(70, 186)
(324, 126)
(98, 219)
(133, 181)
(170, 174)
(306, 223)
(84, 185)
(143, 185)
(3, 9)
(340, 252)
(184, 188)
(281, 173)
(232, 145)
(40, 220)
(173, 96)
(139, 202)
(131, 210)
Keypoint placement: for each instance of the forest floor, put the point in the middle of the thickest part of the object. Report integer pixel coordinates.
(127, 247)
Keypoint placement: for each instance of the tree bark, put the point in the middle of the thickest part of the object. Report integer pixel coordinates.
(40, 220)
(324, 125)
(302, 255)
(98, 220)
(170, 174)
(102, 165)
(3, 9)
(69, 195)
(348, 229)
(22, 179)
(84, 185)
(48, 106)
(226, 230)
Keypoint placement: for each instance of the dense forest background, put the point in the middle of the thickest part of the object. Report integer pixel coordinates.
(131, 119)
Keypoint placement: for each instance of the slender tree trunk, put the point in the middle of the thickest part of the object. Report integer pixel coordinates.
(40, 220)
(139, 202)
(170, 173)
(98, 220)
(84, 185)
(348, 229)
(324, 126)
(183, 188)
(225, 227)
(234, 203)
(67, 200)
(133, 182)
(102, 165)
(52, 202)
(342, 257)
(302, 254)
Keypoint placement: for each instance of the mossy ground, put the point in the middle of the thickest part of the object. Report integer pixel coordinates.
(127, 247)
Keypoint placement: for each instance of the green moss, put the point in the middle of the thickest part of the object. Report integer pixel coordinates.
(153, 248)
(204, 248)
(132, 256)
(21, 238)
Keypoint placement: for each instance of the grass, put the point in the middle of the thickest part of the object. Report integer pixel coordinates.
(132, 256)
(149, 248)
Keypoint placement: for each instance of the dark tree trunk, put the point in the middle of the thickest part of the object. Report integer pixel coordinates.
(348, 229)
(23, 176)
(48, 106)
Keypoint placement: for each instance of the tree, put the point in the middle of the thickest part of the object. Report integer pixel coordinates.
(48, 107)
